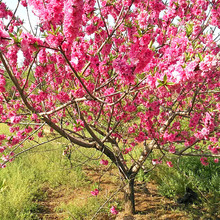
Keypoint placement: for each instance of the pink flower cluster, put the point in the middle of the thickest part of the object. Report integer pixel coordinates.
(204, 161)
(2, 83)
(127, 150)
(104, 162)
(214, 150)
(78, 126)
(95, 192)
(125, 71)
(73, 10)
(113, 210)
(169, 163)
(49, 12)
(209, 62)
(4, 12)
(156, 161)
(140, 54)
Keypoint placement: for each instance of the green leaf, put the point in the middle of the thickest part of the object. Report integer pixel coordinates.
(139, 32)
(200, 56)
(52, 28)
(170, 83)
(10, 34)
(57, 30)
(189, 29)
(50, 32)
(35, 44)
(165, 79)
(151, 44)
(167, 88)
(161, 82)
(159, 85)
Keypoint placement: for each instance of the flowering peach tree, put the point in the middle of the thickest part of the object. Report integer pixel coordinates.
(113, 76)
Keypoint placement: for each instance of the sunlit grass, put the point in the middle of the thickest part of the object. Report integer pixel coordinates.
(22, 180)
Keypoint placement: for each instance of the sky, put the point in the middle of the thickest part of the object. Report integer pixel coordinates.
(34, 20)
(22, 13)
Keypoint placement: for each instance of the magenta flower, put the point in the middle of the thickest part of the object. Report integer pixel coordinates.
(172, 149)
(2, 149)
(196, 147)
(95, 192)
(155, 161)
(127, 150)
(169, 163)
(216, 160)
(2, 166)
(204, 161)
(113, 210)
(104, 162)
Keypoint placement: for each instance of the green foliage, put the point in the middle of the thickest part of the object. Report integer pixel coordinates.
(164, 82)
(189, 172)
(171, 182)
(81, 209)
(21, 182)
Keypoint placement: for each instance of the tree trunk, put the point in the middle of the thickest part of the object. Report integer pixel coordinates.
(129, 197)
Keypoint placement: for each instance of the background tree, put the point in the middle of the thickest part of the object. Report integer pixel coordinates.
(108, 75)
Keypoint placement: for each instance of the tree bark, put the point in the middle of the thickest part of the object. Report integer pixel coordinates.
(129, 197)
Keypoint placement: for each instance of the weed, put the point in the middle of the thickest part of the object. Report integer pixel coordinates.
(81, 209)
(21, 182)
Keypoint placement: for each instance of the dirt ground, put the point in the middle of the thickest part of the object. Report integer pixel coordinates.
(149, 204)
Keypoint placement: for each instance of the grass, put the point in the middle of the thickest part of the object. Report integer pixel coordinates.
(204, 180)
(188, 173)
(22, 180)
(81, 210)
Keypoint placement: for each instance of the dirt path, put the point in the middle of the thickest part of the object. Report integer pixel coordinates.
(54, 198)
(149, 204)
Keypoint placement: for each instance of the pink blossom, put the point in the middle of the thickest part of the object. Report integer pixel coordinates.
(216, 160)
(204, 161)
(213, 139)
(214, 150)
(205, 131)
(172, 149)
(34, 117)
(63, 97)
(127, 150)
(208, 63)
(40, 134)
(73, 10)
(196, 147)
(169, 163)
(156, 161)
(15, 119)
(133, 144)
(104, 162)
(2, 149)
(2, 137)
(141, 137)
(113, 210)
(24, 3)
(95, 192)
(5, 157)
(2, 165)
(125, 71)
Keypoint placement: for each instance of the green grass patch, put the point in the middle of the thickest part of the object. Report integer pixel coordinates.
(81, 209)
(22, 180)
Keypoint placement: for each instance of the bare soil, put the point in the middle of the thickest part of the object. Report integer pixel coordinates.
(149, 204)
